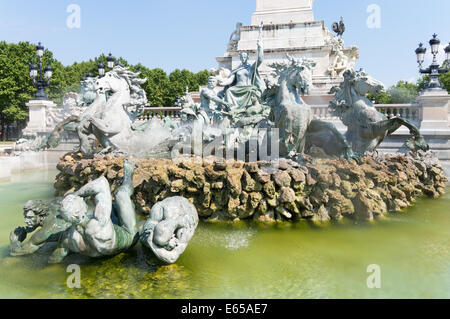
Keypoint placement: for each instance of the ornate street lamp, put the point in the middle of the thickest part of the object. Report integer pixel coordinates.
(40, 84)
(420, 52)
(434, 70)
(110, 61)
(101, 69)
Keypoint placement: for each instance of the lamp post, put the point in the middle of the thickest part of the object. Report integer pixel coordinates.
(434, 70)
(109, 63)
(44, 78)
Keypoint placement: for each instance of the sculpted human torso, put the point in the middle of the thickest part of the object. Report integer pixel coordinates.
(169, 228)
(96, 234)
(243, 75)
(95, 237)
(207, 103)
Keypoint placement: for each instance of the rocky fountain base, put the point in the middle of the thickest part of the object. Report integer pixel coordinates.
(317, 190)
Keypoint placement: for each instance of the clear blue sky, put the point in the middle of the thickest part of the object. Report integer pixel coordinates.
(189, 34)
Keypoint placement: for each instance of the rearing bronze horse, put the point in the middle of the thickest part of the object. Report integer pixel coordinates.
(367, 128)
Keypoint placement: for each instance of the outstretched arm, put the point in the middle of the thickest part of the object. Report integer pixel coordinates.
(60, 252)
(228, 81)
(260, 55)
(20, 248)
(93, 188)
(211, 96)
(103, 200)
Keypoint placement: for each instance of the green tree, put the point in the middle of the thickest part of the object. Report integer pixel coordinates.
(445, 80)
(157, 85)
(202, 77)
(180, 80)
(15, 84)
(381, 98)
(403, 92)
(16, 87)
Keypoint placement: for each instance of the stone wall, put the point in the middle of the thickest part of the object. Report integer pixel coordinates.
(321, 190)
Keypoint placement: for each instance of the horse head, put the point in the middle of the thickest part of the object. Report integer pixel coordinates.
(362, 82)
(356, 85)
(299, 74)
(295, 73)
(112, 83)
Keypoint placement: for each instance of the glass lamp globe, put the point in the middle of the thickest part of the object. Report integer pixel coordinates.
(434, 43)
(110, 61)
(101, 69)
(33, 71)
(40, 50)
(48, 72)
(420, 52)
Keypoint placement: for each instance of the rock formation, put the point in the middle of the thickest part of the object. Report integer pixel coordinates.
(318, 190)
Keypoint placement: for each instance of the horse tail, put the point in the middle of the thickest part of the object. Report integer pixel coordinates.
(54, 139)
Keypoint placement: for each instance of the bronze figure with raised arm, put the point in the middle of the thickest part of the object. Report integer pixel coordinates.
(245, 82)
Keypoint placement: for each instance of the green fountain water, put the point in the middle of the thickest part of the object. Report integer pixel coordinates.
(246, 261)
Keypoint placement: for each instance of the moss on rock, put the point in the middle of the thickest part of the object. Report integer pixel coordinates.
(227, 190)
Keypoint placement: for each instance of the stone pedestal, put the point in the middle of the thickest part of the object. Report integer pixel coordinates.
(434, 105)
(282, 11)
(38, 116)
(434, 123)
(290, 28)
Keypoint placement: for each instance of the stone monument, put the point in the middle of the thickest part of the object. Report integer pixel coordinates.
(290, 28)
(38, 116)
(45, 115)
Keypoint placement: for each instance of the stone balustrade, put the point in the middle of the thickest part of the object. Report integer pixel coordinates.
(410, 112)
(407, 111)
(160, 112)
(322, 112)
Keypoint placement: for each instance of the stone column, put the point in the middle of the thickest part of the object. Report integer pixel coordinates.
(434, 108)
(283, 11)
(38, 116)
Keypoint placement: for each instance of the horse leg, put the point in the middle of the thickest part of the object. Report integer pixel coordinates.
(418, 139)
(343, 147)
(83, 135)
(390, 126)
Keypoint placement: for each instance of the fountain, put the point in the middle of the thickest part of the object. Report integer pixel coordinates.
(214, 164)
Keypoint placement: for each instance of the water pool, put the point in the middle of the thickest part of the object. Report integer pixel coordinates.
(246, 261)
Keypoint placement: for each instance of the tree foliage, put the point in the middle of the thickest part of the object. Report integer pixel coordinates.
(16, 87)
(404, 92)
(401, 93)
(444, 78)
